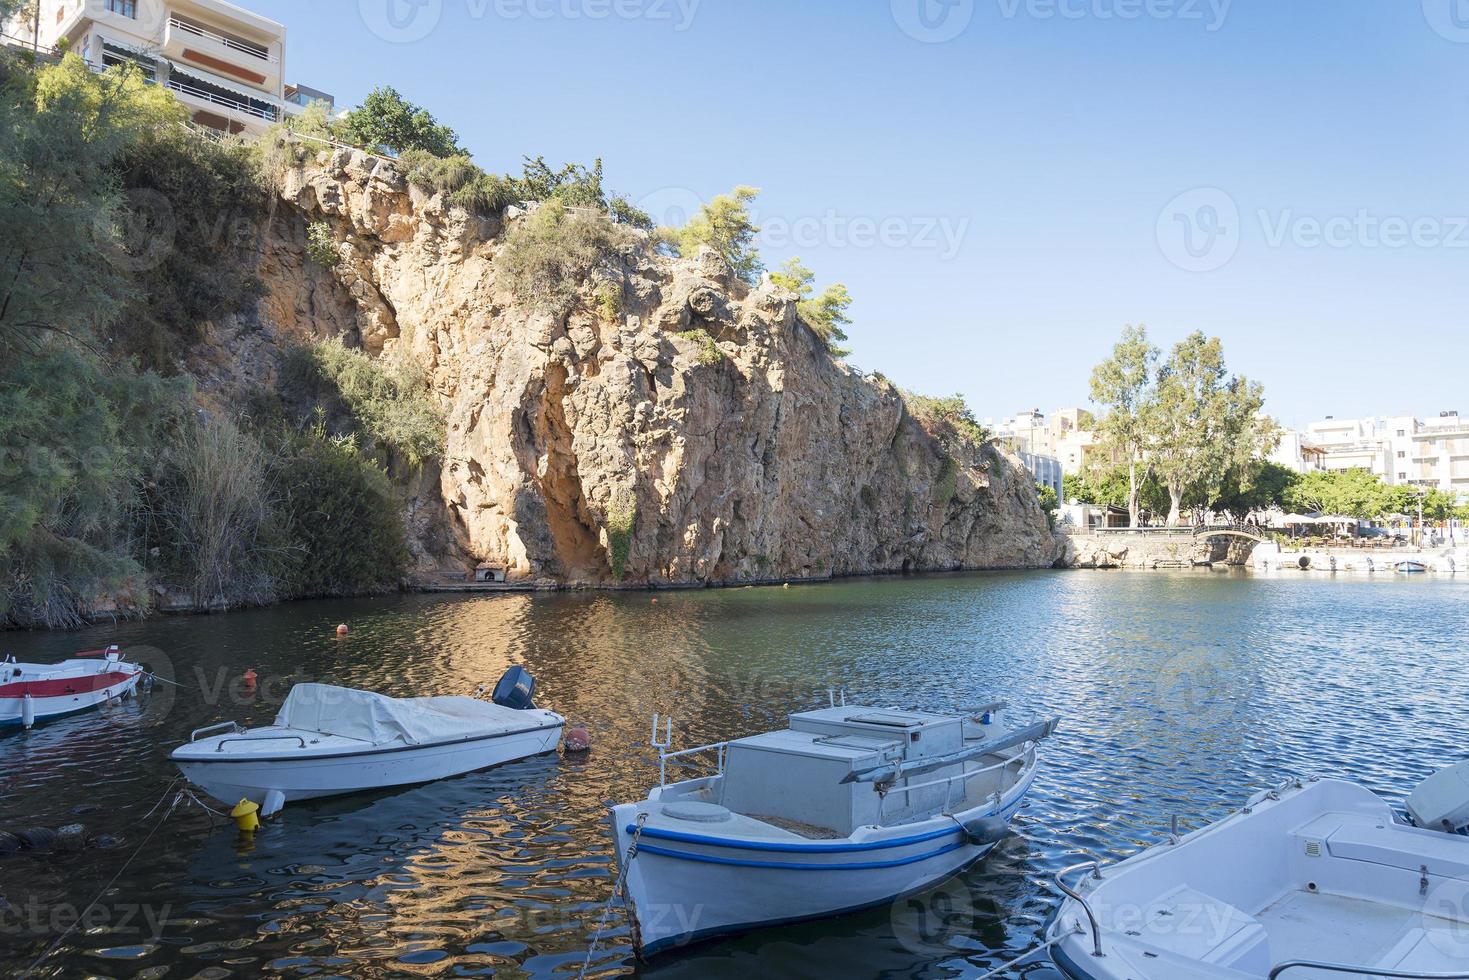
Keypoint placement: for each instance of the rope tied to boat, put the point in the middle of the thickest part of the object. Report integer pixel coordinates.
(177, 799)
(619, 889)
(1012, 964)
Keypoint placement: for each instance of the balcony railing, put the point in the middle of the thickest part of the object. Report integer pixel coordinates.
(244, 47)
(268, 113)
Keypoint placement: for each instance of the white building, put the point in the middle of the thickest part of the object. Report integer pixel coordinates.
(1439, 456)
(1064, 436)
(226, 64)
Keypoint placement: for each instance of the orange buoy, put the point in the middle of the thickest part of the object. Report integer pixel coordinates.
(342, 630)
(578, 739)
(654, 600)
(249, 677)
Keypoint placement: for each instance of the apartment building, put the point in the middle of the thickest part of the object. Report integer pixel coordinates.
(1440, 454)
(224, 63)
(1064, 436)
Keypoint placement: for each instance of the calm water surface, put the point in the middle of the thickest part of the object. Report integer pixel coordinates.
(1180, 692)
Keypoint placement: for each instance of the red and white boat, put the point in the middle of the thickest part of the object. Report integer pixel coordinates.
(40, 692)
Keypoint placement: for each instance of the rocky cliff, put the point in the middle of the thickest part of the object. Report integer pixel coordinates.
(622, 447)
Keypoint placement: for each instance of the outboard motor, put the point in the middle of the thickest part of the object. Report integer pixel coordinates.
(515, 690)
(1441, 802)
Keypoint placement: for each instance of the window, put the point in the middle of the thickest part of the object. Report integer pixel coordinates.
(1402, 476)
(1402, 454)
(1402, 432)
(127, 8)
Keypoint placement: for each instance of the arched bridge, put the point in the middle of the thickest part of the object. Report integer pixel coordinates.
(1233, 532)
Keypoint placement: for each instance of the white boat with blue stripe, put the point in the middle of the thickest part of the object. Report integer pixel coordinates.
(848, 808)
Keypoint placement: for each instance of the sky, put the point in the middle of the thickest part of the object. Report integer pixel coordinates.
(1004, 184)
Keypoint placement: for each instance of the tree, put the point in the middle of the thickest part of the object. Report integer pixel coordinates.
(1204, 423)
(1269, 486)
(1352, 493)
(387, 122)
(1123, 385)
(825, 314)
(725, 225)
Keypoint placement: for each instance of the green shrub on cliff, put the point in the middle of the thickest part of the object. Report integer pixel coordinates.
(725, 225)
(949, 420)
(551, 252)
(388, 398)
(825, 314)
(321, 246)
(340, 516)
(462, 183)
(622, 514)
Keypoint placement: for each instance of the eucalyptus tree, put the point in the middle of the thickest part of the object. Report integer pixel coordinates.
(1203, 423)
(1123, 385)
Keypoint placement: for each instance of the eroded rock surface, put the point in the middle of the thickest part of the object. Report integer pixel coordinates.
(578, 437)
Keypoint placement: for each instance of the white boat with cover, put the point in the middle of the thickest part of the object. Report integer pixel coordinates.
(847, 808)
(1314, 879)
(328, 741)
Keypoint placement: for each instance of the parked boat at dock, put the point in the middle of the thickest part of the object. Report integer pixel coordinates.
(328, 741)
(1313, 879)
(31, 693)
(847, 808)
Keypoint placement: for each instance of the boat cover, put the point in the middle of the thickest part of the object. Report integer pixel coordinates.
(380, 719)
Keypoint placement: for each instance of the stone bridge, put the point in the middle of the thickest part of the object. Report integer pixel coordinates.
(1178, 547)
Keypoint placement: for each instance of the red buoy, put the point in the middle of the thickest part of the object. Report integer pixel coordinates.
(249, 677)
(578, 739)
(342, 630)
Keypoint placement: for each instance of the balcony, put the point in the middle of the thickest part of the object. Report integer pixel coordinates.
(252, 63)
(201, 93)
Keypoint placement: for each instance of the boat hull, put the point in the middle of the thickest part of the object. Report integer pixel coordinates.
(230, 780)
(683, 889)
(57, 699)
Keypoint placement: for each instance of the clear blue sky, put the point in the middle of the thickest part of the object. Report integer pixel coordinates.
(1001, 201)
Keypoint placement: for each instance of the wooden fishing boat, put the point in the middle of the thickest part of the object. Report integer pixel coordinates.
(31, 693)
(848, 808)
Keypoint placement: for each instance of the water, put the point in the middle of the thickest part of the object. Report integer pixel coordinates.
(1180, 692)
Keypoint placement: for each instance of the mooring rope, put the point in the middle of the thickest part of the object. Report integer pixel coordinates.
(1007, 967)
(108, 887)
(617, 887)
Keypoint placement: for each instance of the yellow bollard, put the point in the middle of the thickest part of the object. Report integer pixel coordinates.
(245, 816)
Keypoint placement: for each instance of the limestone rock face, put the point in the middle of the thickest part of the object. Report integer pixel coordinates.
(582, 444)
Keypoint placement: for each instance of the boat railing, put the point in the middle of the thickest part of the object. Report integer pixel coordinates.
(1024, 758)
(223, 726)
(684, 757)
(1095, 867)
(259, 738)
(1363, 971)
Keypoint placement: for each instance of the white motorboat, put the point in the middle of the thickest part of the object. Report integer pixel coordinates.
(847, 808)
(40, 692)
(327, 741)
(1310, 880)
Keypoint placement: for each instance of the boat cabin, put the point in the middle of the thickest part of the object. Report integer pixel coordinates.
(801, 778)
(486, 572)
